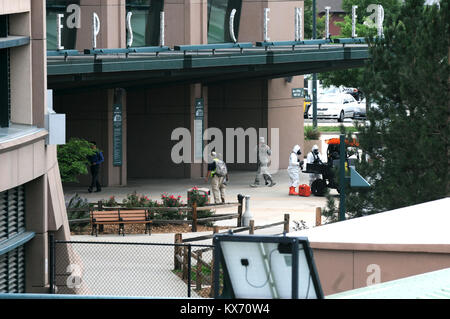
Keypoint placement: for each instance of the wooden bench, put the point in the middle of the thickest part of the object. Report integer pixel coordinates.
(120, 217)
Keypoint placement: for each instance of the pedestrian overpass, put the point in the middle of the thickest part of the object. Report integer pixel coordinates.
(209, 63)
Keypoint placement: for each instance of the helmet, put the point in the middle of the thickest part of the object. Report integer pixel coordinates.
(315, 149)
(296, 149)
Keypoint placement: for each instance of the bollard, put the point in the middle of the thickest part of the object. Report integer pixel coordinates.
(251, 231)
(247, 216)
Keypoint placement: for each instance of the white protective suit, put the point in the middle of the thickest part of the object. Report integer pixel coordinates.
(264, 153)
(314, 157)
(294, 167)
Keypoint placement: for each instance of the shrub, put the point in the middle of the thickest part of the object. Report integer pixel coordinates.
(72, 159)
(194, 195)
(78, 202)
(111, 202)
(311, 133)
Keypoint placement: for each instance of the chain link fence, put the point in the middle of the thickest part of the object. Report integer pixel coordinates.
(131, 269)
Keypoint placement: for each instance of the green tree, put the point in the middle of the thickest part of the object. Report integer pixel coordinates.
(354, 77)
(307, 23)
(72, 159)
(407, 137)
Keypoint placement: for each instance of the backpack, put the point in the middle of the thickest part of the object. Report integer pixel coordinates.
(221, 168)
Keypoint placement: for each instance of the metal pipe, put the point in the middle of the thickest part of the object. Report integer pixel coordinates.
(189, 270)
(342, 158)
(314, 93)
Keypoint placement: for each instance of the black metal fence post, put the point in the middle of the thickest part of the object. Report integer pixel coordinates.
(52, 263)
(189, 270)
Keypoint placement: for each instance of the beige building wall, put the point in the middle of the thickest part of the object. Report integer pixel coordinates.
(25, 159)
(111, 14)
(343, 268)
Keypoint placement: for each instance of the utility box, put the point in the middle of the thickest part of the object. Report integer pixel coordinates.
(54, 123)
(56, 129)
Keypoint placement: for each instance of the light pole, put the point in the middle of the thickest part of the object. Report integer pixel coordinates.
(314, 89)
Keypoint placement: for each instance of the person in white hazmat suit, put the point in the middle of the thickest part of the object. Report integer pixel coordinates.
(294, 169)
(264, 153)
(314, 157)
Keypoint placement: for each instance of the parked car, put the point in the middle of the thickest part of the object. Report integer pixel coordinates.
(336, 106)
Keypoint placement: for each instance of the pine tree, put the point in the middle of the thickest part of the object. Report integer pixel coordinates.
(406, 138)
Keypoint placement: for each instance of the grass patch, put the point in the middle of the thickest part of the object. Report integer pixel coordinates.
(332, 129)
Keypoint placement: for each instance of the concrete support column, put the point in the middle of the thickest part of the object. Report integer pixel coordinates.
(112, 24)
(197, 93)
(284, 112)
(39, 61)
(186, 22)
(36, 251)
(116, 174)
(21, 71)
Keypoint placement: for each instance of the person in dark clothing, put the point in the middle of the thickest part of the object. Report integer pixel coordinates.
(95, 161)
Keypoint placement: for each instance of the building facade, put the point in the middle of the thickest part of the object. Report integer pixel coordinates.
(150, 114)
(31, 195)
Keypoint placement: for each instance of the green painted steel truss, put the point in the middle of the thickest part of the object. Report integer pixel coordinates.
(115, 69)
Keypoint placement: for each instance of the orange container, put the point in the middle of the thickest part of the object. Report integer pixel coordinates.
(304, 190)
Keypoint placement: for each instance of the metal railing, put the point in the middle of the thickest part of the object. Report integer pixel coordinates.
(204, 47)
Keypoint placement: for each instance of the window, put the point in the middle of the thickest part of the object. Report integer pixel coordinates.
(69, 35)
(5, 92)
(219, 19)
(145, 21)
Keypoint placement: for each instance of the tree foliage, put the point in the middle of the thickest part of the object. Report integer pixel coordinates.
(364, 28)
(406, 138)
(72, 159)
(308, 26)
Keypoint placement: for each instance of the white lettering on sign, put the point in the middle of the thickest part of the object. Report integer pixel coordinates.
(129, 30)
(232, 35)
(266, 25)
(327, 22)
(161, 29)
(73, 20)
(59, 27)
(298, 24)
(95, 29)
(354, 16)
